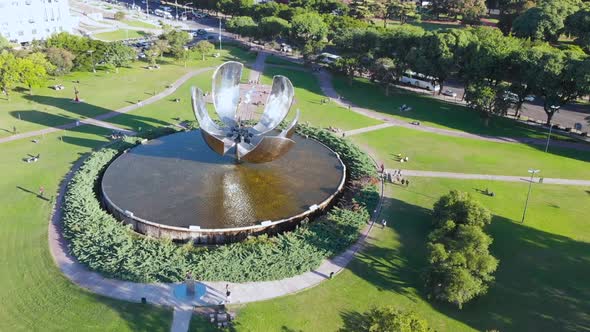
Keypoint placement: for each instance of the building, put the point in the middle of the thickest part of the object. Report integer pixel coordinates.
(27, 20)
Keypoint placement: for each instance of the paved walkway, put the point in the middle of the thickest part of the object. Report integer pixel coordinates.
(507, 178)
(163, 293)
(325, 80)
(97, 120)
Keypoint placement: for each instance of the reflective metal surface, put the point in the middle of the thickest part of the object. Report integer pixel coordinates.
(249, 142)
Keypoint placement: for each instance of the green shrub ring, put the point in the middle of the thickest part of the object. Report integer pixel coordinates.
(107, 246)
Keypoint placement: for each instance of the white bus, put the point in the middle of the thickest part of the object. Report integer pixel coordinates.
(163, 13)
(420, 81)
(328, 58)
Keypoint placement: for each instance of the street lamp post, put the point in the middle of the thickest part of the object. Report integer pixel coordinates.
(91, 52)
(533, 172)
(220, 33)
(176, 5)
(553, 109)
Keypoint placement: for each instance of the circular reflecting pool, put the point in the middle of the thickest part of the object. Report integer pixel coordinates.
(177, 180)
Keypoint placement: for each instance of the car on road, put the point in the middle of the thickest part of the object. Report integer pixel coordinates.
(529, 98)
(201, 32)
(449, 93)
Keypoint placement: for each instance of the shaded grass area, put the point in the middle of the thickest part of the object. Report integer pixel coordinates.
(275, 60)
(433, 152)
(540, 284)
(101, 92)
(429, 111)
(35, 295)
(308, 97)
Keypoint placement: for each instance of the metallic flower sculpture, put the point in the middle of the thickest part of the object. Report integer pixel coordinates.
(250, 143)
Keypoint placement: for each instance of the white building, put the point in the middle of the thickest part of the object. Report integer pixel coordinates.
(26, 20)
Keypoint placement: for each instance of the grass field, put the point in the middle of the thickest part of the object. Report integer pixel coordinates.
(101, 93)
(274, 60)
(308, 97)
(429, 111)
(541, 283)
(139, 24)
(35, 295)
(120, 34)
(433, 152)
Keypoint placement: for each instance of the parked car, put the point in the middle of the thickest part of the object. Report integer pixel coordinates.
(450, 93)
(529, 98)
(510, 96)
(201, 32)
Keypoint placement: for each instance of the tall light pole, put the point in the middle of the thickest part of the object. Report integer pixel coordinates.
(147, 8)
(91, 52)
(220, 33)
(176, 5)
(533, 172)
(554, 109)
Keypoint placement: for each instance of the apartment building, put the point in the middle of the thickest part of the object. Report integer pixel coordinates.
(26, 20)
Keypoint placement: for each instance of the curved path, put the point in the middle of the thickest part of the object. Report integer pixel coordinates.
(97, 120)
(163, 293)
(325, 80)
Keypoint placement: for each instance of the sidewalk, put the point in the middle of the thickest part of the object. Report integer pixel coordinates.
(507, 178)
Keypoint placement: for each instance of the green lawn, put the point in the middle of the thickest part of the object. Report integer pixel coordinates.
(434, 152)
(429, 111)
(120, 34)
(308, 97)
(541, 284)
(139, 24)
(35, 295)
(101, 93)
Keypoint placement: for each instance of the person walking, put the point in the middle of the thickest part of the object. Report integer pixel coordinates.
(382, 168)
(41, 191)
(227, 294)
(383, 223)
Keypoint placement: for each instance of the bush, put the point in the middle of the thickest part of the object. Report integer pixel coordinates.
(119, 16)
(105, 245)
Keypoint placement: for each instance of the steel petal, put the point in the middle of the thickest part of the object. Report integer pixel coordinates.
(277, 105)
(226, 91)
(269, 149)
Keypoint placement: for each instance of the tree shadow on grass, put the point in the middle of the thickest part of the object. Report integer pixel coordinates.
(84, 111)
(141, 317)
(541, 283)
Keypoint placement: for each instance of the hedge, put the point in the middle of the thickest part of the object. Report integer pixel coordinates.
(106, 245)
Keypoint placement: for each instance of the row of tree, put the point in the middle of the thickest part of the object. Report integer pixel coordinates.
(30, 70)
(483, 58)
(461, 266)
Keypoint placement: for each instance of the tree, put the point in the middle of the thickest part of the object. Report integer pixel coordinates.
(177, 40)
(62, 59)
(161, 46)
(578, 25)
(486, 99)
(558, 77)
(152, 54)
(401, 10)
(118, 55)
(361, 8)
(242, 25)
(338, 24)
(462, 208)
(267, 9)
(387, 319)
(545, 22)
(9, 72)
(203, 48)
(510, 10)
(308, 31)
(472, 11)
(119, 16)
(348, 66)
(461, 266)
(273, 27)
(4, 43)
(383, 71)
(33, 70)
